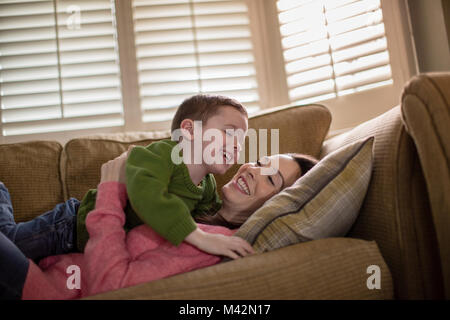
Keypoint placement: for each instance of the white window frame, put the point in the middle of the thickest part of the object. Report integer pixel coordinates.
(347, 111)
(350, 110)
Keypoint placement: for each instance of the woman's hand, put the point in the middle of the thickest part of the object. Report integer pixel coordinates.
(114, 170)
(219, 244)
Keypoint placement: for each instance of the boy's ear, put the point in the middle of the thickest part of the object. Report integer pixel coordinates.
(187, 128)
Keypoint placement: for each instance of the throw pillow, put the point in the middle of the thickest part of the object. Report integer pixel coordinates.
(323, 203)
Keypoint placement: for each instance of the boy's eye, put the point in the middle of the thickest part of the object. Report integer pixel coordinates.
(271, 181)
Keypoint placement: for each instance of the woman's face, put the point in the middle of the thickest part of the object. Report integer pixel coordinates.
(255, 183)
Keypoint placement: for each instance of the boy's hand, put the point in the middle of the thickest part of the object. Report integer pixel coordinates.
(219, 244)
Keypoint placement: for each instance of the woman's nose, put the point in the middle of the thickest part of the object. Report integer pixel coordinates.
(253, 171)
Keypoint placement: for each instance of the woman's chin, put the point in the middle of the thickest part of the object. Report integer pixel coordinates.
(228, 193)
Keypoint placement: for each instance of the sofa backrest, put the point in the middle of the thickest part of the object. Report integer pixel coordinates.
(30, 171)
(40, 174)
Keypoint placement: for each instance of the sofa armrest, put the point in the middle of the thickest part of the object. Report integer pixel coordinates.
(426, 115)
(333, 268)
(396, 211)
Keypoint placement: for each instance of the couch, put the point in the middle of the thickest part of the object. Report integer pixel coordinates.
(403, 226)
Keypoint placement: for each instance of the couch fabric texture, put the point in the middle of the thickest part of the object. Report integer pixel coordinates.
(402, 226)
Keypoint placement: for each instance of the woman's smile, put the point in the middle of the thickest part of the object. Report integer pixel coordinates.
(241, 184)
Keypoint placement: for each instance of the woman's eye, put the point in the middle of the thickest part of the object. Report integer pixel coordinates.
(258, 163)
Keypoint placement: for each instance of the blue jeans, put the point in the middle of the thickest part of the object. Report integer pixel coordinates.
(49, 234)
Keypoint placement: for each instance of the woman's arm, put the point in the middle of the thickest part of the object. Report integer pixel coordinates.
(106, 256)
(108, 262)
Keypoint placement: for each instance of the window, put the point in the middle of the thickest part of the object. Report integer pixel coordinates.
(70, 68)
(58, 66)
(353, 56)
(333, 48)
(185, 47)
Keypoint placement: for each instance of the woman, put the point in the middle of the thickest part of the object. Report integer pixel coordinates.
(114, 259)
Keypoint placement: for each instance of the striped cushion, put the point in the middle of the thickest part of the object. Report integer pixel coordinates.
(323, 203)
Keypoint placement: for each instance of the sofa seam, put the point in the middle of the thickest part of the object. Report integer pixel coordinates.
(414, 221)
(427, 111)
(61, 148)
(287, 108)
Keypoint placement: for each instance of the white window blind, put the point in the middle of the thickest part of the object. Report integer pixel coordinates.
(58, 66)
(333, 47)
(185, 47)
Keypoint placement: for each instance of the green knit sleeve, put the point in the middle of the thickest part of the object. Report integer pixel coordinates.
(87, 205)
(148, 173)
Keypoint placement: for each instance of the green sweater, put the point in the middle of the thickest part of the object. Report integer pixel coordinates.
(161, 194)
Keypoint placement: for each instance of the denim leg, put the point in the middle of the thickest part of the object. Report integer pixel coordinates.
(13, 270)
(6, 210)
(48, 234)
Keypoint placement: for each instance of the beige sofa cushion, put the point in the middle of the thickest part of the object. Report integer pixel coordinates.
(426, 114)
(323, 203)
(333, 268)
(30, 171)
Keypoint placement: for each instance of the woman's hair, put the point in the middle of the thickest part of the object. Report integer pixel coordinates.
(305, 162)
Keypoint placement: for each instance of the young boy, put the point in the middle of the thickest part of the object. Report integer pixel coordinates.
(166, 195)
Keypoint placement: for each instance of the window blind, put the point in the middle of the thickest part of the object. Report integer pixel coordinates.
(185, 47)
(58, 66)
(333, 47)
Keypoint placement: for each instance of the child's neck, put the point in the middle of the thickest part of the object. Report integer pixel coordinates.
(197, 172)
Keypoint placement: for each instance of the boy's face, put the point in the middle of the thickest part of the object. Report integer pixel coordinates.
(228, 143)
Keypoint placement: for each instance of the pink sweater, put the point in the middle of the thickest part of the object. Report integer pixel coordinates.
(114, 259)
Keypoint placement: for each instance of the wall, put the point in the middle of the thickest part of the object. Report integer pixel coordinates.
(430, 22)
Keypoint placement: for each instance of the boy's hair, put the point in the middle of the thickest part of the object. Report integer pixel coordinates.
(202, 107)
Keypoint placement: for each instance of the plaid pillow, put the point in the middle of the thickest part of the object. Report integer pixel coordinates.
(323, 203)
